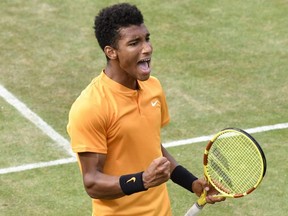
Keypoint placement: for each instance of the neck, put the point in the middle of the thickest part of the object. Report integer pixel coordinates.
(121, 77)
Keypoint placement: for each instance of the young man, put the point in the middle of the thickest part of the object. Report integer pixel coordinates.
(115, 125)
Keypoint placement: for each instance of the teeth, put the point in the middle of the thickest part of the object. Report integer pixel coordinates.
(145, 60)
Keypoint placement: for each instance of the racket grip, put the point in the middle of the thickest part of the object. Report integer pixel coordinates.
(194, 210)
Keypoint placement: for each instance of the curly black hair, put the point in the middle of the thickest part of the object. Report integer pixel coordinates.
(110, 19)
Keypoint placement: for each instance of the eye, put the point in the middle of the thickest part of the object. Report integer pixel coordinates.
(133, 43)
(147, 38)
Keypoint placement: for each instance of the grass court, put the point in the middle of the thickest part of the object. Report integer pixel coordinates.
(221, 63)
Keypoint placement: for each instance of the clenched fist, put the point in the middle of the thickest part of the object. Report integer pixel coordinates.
(157, 173)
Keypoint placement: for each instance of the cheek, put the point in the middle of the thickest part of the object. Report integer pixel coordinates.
(128, 60)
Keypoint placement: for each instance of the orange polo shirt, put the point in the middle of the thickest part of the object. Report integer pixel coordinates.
(125, 125)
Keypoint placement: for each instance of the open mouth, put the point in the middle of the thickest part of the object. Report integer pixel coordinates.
(144, 64)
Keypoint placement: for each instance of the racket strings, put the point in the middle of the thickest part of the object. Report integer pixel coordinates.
(233, 163)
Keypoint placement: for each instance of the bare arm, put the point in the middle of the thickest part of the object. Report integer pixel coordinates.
(102, 186)
(97, 184)
(173, 162)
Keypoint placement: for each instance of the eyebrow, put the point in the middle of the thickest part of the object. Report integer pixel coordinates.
(138, 37)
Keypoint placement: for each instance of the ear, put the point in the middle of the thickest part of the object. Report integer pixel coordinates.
(110, 52)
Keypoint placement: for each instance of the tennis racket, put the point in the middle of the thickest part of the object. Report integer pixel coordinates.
(234, 164)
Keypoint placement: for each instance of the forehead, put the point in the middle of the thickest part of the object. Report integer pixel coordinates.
(132, 32)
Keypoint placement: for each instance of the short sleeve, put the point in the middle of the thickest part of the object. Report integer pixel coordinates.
(87, 128)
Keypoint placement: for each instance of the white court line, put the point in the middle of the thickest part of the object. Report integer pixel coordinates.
(37, 165)
(36, 120)
(206, 138)
(166, 145)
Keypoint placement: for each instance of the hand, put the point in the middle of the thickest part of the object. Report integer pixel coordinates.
(200, 185)
(157, 173)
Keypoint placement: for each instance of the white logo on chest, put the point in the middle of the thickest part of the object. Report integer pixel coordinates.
(154, 103)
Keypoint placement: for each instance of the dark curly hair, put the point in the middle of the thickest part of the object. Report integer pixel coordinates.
(110, 19)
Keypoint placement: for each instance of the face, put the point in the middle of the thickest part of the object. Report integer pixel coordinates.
(134, 53)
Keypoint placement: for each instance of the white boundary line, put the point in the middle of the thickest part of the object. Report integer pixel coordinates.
(36, 120)
(37, 165)
(206, 138)
(166, 145)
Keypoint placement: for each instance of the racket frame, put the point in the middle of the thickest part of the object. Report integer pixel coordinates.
(205, 163)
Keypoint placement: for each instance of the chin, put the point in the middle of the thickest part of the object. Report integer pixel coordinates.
(144, 77)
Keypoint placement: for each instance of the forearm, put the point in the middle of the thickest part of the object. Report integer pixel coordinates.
(173, 162)
(102, 186)
(179, 174)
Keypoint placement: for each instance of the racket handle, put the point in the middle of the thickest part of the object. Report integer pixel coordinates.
(197, 207)
(194, 210)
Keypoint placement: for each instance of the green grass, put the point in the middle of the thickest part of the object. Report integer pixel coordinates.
(21, 141)
(46, 191)
(222, 63)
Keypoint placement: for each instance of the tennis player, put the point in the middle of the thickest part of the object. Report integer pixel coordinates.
(115, 124)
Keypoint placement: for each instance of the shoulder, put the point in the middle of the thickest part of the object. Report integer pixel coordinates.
(90, 103)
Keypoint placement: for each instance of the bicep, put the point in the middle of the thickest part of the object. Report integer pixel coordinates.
(91, 162)
(97, 184)
(91, 166)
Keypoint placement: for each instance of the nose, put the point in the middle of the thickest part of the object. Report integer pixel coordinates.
(147, 47)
